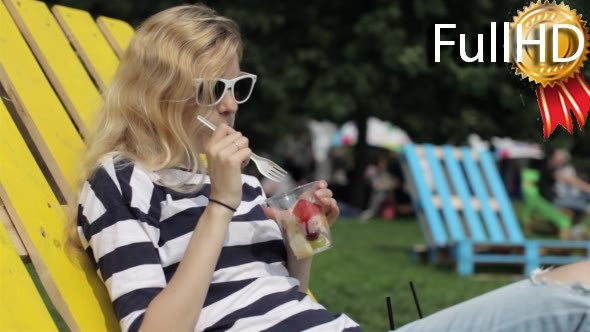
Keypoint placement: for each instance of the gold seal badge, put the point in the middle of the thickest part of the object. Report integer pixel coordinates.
(548, 73)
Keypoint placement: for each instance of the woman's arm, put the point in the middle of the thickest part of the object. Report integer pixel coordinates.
(300, 269)
(177, 307)
(573, 180)
(569, 274)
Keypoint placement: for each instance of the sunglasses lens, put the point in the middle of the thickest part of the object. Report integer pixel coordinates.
(203, 96)
(243, 88)
(218, 90)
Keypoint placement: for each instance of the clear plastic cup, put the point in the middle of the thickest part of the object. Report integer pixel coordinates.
(303, 221)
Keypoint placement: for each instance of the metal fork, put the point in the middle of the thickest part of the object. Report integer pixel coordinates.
(265, 166)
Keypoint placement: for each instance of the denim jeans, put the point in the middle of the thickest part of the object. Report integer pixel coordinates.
(578, 203)
(531, 305)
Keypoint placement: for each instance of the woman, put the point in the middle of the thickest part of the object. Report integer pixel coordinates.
(179, 250)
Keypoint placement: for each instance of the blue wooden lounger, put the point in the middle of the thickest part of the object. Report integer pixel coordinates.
(464, 211)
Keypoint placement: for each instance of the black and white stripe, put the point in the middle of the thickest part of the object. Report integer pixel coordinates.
(137, 231)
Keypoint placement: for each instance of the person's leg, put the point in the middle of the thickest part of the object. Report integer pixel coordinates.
(567, 274)
(403, 202)
(556, 300)
(377, 198)
(582, 229)
(571, 202)
(578, 206)
(586, 196)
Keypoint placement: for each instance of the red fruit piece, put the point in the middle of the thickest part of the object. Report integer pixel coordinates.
(312, 236)
(305, 210)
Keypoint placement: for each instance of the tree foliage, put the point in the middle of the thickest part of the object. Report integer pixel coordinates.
(341, 60)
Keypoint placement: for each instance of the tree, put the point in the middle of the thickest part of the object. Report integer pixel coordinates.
(341, 60)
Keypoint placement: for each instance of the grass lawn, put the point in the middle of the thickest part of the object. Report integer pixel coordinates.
(371, 261)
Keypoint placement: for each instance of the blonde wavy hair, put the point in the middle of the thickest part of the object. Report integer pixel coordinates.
(149, 112)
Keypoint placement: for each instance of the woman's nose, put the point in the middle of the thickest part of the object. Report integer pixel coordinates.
(228, 103)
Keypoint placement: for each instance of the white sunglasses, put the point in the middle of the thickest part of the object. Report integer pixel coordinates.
(240, 86)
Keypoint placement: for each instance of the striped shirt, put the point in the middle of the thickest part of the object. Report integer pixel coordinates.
(136, 231)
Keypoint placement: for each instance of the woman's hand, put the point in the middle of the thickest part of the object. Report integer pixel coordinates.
(323, 197)
(227, 151)
(328, 203)
(301, 268)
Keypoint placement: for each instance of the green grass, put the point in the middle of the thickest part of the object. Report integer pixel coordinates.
(371, 261)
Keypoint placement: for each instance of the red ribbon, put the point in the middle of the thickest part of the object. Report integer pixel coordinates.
(557, 101)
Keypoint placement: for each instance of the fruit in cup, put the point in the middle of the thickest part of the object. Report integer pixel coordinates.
(306, 233)
(312, 236)
(305, 210)
(300, 246)
(320, 242)
(310, 216)
(312, 226)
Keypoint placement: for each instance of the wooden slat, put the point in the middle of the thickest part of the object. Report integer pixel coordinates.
(451, 217)
(57, 58)
(415, 198)
(38, 108)
(22, 306)
(466, 202)
(12, 233)
(89, 42)
(477, 183)
(498, 190)
(433, 218)
(117, 32)
(68, 277)
(558, 252)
